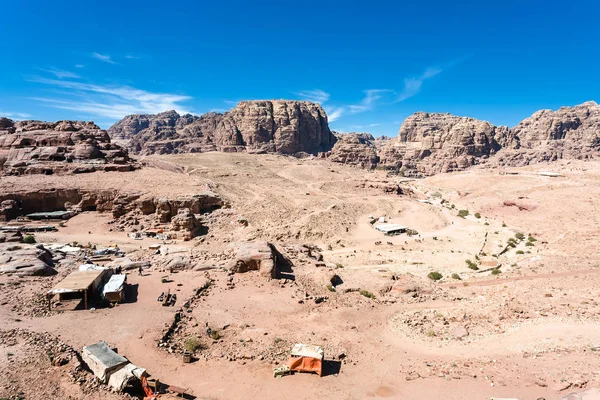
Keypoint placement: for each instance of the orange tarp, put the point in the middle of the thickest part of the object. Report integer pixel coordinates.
(305, 364)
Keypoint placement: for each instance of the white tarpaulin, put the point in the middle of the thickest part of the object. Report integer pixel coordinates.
(114, 284)
(90, 267)
(102, 361)
(119, 379)
(307, 350)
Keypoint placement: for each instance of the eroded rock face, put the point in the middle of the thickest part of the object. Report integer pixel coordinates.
(430, 143)
(570, 132)
(278, 126)
(25, 260)
(37, 147)
(357, 149)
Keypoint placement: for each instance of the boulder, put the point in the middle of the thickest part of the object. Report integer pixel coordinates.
(254, 256)
(25, 260)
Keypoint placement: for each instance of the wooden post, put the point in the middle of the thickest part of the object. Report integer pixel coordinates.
(85, 304)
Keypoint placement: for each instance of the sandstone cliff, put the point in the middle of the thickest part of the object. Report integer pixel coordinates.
(357, 149)
(37, 147)
(278, 126)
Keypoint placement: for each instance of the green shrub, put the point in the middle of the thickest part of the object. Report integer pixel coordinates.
(456, 276)
(29, 239)
(503, 225)
(463, 213)
(496, 271)
(531, 239)
(330, 288)
(520, 252)
(339, 265)
(435, 276)
(477, 215)
(472, 265)
(520, 236)
(529, 244)
(366, 293)
(192, 344)
(486, 223)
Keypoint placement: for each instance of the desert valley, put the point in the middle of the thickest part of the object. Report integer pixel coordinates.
(458, 260)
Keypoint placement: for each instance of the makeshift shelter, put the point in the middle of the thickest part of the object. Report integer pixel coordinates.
(114, 290)
(306, 358)
(50, 215)
(110, 367)
(391, 229)
(81, 285)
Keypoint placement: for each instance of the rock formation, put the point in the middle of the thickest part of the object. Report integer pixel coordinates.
(278, 126)
(432, 143)
(354, 149)
(36, 147)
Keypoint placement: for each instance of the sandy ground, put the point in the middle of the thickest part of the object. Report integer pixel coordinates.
(532, 327)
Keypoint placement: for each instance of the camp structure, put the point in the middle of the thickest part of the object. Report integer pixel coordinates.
(80, 286)
(114, 290)
(306, 358)
(50, 215)
(110, 367)
(391, 229)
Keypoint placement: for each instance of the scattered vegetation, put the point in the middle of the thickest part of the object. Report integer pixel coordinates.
(366, 293)
(330, 288)
(456, 276)
(431, 333)
(531, 239)
(435, 276)
(339, 265)
(329, 247)
(277, 340)
(520, 252)
(520, 236)
(164, 280)
(463, 213)
(496, 271)
(503, 225)
(486, 223)
(215, 335)
(477, 215)
(530, 244)
(192, 344)
(29, 239)
(472, 265)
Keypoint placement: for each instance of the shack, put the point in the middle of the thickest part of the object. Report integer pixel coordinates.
(391, 229)
(80, 286)
(114, 290)
(50, 215)
(110, 367)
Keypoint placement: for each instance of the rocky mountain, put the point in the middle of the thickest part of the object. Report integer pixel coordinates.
(354, 149)
(277, 126)
(37, 147)
(430, 143)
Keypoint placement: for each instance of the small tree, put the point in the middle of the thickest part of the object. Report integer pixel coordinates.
(463, 213)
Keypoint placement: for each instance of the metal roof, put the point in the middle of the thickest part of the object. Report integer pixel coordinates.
(77, 281)
(390, 227)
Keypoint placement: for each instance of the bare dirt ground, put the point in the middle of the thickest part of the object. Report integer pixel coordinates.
(524, 324)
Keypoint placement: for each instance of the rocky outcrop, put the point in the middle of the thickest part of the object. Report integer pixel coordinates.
(432, 143)
(570, 132)
(254, 256)
(37, 147)
(25, 260)
(356, 149)
(277, 126)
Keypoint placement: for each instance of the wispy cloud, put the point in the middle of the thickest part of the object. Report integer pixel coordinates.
(60, 74)
(334, 113)
(110, 101)
(132, 57)
(365, 126)
(79, 65)
(14, 115)
(103, 57)
(412, 86)
(316, 95)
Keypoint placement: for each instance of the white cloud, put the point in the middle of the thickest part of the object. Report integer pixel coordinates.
(316, 95)
(14, 115)
(412, 86)
(334, 113)
(79, 65)
(132, 57)
(60, 74)
(103, 57)
(110, 101)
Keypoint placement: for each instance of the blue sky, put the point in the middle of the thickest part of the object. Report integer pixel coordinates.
(370, 64)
